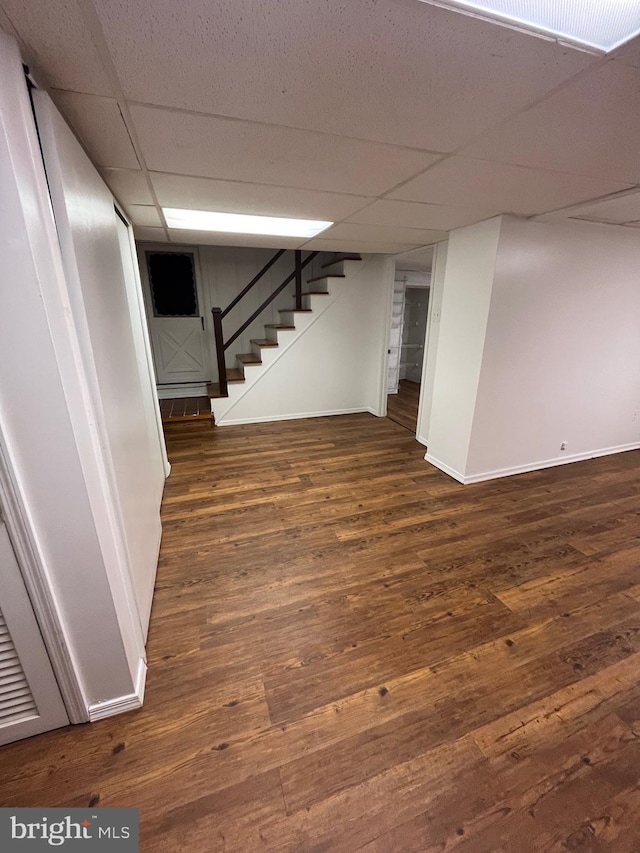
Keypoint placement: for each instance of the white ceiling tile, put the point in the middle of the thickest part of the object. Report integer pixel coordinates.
(393, 70)
(621, 209)
(236, 197)
(155, 235)
(57, 42)
(411, 214)
(501, 186)
(591, 127)
(321, 244)
(128, 186)
(383, 234)
(213, 238)
(99, 124)
(199, 145)
(144, 214)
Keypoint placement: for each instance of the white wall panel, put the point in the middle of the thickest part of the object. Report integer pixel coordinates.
(108, 325)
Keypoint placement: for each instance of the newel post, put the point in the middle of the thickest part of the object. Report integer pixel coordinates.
(298, 279)
(222, 368)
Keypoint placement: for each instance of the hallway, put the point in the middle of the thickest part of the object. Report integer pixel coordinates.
(349, 651)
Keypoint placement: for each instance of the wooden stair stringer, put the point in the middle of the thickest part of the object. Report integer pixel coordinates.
(222, 406)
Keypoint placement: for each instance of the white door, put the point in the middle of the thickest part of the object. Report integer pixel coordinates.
(30, 700)
(176, 314)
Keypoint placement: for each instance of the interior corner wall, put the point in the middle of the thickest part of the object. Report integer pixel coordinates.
(561, 359)
(336, 365)
(466, 298)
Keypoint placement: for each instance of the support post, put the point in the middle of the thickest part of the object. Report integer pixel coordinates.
(298, 279)
(222, 368)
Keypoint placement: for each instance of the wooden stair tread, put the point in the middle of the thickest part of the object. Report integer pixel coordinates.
(213, 391)
(264, 342)
(234, 374)
(347, 257)
(295, 311)
(316, 293)
(322, 277)
(248, 358)
(278, 326)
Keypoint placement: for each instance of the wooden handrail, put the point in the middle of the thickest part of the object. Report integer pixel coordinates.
(270, 298)
(253, 281)
(218, 313)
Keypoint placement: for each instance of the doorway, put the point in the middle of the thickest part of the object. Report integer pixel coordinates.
(407, 337)
(176, 317)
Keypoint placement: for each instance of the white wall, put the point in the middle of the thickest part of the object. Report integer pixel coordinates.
(49, 441)
(108, 324)
(337, 364)
(562, 354)
(466, 295)
(224, 271)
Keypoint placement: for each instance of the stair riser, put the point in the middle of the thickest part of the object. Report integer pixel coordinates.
(281, 336)
(335, 269)
(266, 354)
(297, 319)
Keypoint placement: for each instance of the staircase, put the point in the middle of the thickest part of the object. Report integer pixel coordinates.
(265, 352)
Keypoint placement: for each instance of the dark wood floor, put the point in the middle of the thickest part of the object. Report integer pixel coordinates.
(351, 652)
(403, 406)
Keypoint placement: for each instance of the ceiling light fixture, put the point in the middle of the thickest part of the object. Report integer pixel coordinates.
(598, 25)
(242, 223)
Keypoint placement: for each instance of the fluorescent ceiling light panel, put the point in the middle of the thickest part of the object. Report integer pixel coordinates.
(241, 223)
(598, 24)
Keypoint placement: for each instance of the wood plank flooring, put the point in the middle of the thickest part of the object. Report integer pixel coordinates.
(351, 652)
(403, 406)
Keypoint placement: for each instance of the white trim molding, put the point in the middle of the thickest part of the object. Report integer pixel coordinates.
(532, 466)
(182, 389)
(121, 704)
(268, 418)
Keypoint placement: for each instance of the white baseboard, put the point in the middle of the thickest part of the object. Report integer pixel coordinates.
(189, 389)
(532, 466)
(444, 467)
(270, 418)
(121, 704)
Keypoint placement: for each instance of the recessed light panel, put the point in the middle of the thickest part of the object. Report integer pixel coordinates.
(241, 223)
(601, 25)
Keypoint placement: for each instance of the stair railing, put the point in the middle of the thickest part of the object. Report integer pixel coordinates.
(219, 314)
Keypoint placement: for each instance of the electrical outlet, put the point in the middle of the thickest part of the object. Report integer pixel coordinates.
(563, 446)
(634, 417)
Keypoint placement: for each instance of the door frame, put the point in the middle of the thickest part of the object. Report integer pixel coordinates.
(203, 305)
(437, 271)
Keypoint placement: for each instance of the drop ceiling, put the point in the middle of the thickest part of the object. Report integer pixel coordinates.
(395, 119)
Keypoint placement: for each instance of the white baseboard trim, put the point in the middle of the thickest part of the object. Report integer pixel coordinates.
(446, 468)
(121, 704)
(189, 389)
(532, 466)
(270, 418)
